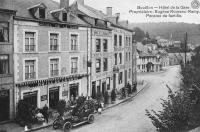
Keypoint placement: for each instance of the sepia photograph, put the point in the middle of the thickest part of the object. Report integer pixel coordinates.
(99, 66)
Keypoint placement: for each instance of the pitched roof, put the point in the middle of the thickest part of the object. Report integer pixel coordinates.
(23, 6)
(90, 11)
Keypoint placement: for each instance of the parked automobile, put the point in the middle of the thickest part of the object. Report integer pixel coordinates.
(76, 116)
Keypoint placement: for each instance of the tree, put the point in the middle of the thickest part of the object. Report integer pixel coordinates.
(181, 111)
(139, 34)
(147, 35)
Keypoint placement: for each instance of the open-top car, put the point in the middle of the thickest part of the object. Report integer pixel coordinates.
(78, 115)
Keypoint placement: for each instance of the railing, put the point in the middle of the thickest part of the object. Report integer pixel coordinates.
(30, 75)
(53, 47)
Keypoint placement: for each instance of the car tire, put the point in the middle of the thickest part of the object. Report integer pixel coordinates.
(56, 124)
(91, 119)
(67, 127)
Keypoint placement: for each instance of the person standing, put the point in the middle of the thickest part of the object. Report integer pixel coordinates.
(45, 113)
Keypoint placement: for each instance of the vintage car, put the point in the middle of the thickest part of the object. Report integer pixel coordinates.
(78, 115)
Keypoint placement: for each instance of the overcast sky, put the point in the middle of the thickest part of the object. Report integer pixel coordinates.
(123, 7)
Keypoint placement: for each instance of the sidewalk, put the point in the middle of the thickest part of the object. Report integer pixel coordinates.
(13, 127)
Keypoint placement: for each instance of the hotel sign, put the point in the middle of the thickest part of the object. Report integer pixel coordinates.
(102, 33)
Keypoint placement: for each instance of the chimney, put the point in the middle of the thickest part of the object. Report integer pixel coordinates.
(64, 4)
(109, 11)
(117, 19)
(117, 15)
(81, 2)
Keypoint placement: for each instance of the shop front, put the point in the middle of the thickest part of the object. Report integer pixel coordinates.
(4, 105)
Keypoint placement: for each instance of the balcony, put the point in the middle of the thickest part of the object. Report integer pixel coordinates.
(29, 76)
(54, 48)
(30, 48)
(54, 73)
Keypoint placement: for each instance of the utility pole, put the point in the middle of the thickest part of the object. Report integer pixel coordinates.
(186, 39)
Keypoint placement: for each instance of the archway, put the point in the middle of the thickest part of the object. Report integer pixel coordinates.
(149, 66)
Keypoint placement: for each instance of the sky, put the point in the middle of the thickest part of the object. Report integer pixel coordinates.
(124, 6)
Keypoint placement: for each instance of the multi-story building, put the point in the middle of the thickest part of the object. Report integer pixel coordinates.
(101, 49)
(50, 53)
(123, 65)
(147, 60)
(6, 61)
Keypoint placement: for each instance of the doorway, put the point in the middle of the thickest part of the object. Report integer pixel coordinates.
(53, 97)
(114, 81)
(73, 90)
(30, 98)
(4, 105)
(94, 94)
(103, 88)
(126, 77)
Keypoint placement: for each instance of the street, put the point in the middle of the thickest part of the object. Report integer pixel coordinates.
(130, 116)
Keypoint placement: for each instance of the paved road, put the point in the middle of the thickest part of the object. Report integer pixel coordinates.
(130, 116)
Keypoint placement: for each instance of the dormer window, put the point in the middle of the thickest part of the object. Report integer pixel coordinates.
(38, 11)
(41, 13)
(60, 14)
(64, 16)
(95, 22)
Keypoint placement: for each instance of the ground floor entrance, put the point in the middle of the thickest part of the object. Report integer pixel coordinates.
(53, 97)
(74, 90)
(4, 105)
(31, 98)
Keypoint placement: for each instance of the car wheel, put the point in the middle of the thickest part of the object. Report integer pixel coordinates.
(67, 127)
(90, 119)
(56, 124)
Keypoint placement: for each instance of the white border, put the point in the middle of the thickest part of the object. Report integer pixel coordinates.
(36, 68)
(74, 33)
(59, 65)
(36, 39)
(78, 64)
(59, 40)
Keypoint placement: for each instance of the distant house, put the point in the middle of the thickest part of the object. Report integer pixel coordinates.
(147, 60)
(177, 44)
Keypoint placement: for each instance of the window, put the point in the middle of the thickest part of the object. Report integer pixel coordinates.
(54, 42)
(126, 56)
(64, 16)
(108, 83)
(74, 42)
(115, 40)
(120, 40)
(129, 41)
(30, 69)
(105, 45)
(120, 58)
(129, 56)
(41, 13)
(30, 45)
(4, 32)
(129, 74)
(4, 64)
(98, 86)
(120, 77)
(105, 64)
(74, 65)
(126, 41)
(98, 45)
(115, 58)
(98, 65)
(54, 71)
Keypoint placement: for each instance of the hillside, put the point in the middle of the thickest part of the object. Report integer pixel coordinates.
(177, 30)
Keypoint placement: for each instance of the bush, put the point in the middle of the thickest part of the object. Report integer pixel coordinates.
(99, 97)
(113, 95)
(61, 106)
(24, 113)
(106, 97)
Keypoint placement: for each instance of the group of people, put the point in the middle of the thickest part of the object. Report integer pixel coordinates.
(41, 114)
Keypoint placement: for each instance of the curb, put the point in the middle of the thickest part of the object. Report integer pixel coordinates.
(129, 98)
(38, 128)
(106, 108)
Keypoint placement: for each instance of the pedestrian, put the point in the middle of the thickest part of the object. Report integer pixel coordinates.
(99, 107)
(45, 113)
